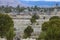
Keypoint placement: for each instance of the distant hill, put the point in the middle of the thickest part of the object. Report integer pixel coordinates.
(9, 2)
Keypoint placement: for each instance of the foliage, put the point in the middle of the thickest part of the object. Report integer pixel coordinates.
(19, 9)
(6, 24)
(33, 19)
(45, 26)
(54, 17)
(41, 36)
(28, 31)
(35, 8)
(35, 16)
(10, 34)
(7, 10)
(44, 17)
(52, 29)
(29, 9)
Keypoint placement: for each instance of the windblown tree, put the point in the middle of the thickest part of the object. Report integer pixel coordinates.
(6, 26)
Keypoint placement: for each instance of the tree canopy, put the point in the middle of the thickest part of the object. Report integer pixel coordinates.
(54, 17)
(34, 18)
(28, 31)
(6, 24)
(51, 29)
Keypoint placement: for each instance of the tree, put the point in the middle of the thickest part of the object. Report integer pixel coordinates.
(7, 9)
(29, 9)
(41, 36)
(45, 26)
(34, 17)
(6, 24)
(10, 34)
(51, 29)
(2, 8)
(36, 8)
(19, 9)
(28, 31)
(33, 20)
(54, 17)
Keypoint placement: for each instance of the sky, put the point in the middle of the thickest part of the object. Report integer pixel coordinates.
(42, 3)
(40, 0)
(30, 2)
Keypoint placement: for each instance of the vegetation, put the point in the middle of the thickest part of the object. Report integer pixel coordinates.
(27, 32)
(6, 9)
(54, 17)
(29, 29)
(35, 8)
(9, 9)
(6, 26)
(10, 34)
(29, 9)
(51, 29)
(33, 19)
(19, 9)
